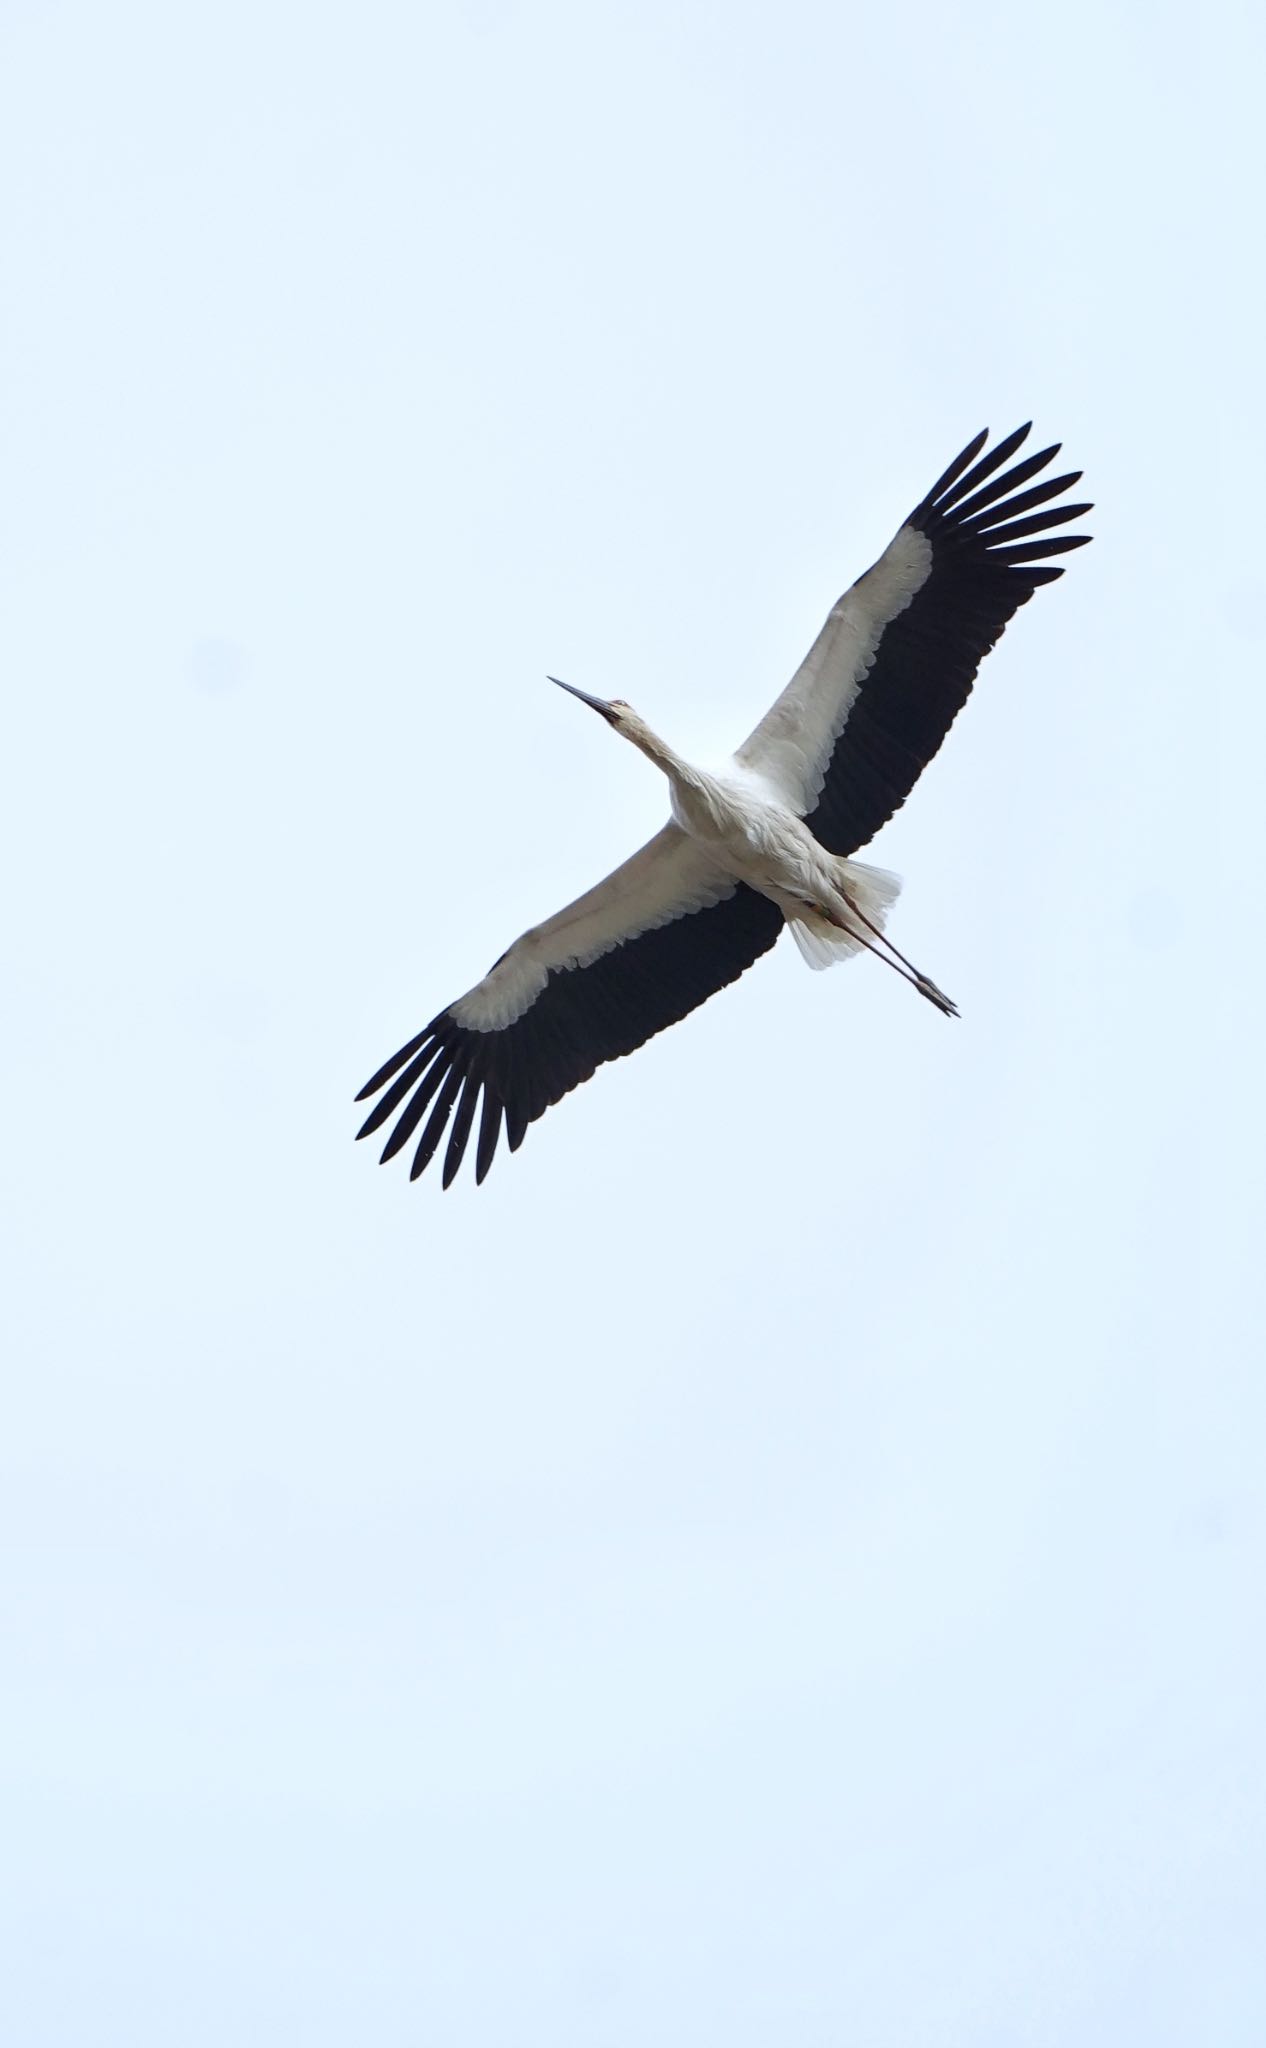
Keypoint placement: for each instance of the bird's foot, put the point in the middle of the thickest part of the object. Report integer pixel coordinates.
(935, 995)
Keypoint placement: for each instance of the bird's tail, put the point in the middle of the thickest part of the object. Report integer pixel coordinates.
(873, 890)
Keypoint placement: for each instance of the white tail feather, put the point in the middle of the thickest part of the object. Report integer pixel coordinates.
(873, 890)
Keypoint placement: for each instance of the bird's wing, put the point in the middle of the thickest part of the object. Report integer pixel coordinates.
(894, 664)
(648, 945)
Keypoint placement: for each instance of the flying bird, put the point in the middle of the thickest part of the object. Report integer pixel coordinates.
(766, 842)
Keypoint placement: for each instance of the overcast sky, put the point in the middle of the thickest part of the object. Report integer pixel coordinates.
(781, 1562)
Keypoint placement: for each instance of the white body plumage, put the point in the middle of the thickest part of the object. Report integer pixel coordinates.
(738, 820)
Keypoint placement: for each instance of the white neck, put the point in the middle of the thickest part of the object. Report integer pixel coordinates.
(659, 751)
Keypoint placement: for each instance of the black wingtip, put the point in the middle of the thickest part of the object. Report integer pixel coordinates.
(958, 465)
(393, 1065)
(991, 460)
(489, 1131)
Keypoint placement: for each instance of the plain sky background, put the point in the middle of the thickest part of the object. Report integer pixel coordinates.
(783, 1561)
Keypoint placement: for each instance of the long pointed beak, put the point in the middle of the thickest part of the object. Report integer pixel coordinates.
(598, 704)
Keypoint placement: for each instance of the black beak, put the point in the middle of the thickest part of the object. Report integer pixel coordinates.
(598, 704)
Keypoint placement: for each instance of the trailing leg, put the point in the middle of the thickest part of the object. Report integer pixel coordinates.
(923, 982)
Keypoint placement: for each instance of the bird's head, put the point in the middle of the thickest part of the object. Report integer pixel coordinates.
(617, 713)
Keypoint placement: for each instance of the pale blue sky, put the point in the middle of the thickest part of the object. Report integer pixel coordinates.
(782, 1562)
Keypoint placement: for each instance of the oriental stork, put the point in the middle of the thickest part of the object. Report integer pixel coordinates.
(765, 842)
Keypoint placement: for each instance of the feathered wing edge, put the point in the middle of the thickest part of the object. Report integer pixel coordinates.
(990, 536)
(895, 662)
(582, 1017)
